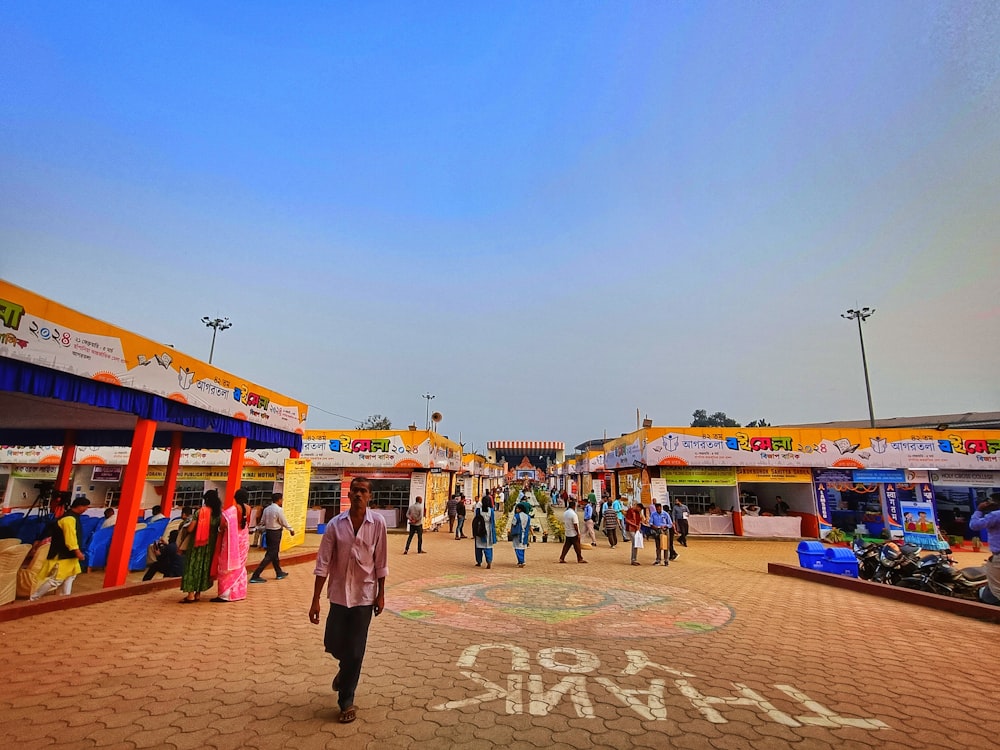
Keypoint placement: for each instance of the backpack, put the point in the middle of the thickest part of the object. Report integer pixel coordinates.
(479, 525)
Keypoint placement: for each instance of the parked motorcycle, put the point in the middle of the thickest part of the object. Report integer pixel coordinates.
(868, 557)
(937, 574)
(895, 562)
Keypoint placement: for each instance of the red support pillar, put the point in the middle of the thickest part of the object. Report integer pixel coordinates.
(65, 474)
(131, 501)
(235, 479)
(292, 453)
(170, 478)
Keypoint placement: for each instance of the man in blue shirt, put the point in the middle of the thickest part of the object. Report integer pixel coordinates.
(662, 525)
(987, 516)
(588, 519)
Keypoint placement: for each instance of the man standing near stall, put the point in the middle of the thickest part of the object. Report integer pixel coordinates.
(681, 513)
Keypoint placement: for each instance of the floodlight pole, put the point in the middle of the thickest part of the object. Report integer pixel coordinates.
(216, 324)
(862, 315)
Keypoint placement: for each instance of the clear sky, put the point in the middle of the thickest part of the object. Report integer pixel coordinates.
(546, 214)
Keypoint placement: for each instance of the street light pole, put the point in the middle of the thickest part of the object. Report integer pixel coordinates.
(216, 324)
(861, 316)
(427, 413)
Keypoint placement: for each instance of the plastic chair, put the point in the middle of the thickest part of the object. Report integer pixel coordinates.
(6, 543)
(10, 562)
(27, 578)
(32, 528)
(97, 550)
(90, 526)
(140, 544)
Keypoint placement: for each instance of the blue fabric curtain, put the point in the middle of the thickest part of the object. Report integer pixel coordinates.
(218, 430)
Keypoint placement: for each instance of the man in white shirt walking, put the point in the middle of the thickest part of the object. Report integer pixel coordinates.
(273, 521)
(415, 518)
(571, 523)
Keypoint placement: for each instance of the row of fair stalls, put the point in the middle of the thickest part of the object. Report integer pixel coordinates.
(400, 465)
(781, 482)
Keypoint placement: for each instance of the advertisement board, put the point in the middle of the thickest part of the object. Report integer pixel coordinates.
(41, 332)
(296, 493)
(851, 449)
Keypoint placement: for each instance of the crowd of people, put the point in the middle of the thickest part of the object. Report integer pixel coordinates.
(659, 524)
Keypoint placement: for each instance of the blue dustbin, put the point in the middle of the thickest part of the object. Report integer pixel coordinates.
(321, 528)
(841, 561)
(811, 555)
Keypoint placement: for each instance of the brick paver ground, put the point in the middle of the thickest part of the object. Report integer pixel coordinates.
(709, 653)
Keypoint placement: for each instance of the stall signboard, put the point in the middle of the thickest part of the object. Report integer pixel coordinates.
(833, 476)
(213, 474)
(41, 332)
(807, 448)
(593, 461)
(658, 491)
(41, 473)
(774, 475)
(966, 478)
(418, 487)
(878, 476)
(624, 452)
(98, 455)
(296, 500)
(106, 474)
(406, 449)
(719, 477)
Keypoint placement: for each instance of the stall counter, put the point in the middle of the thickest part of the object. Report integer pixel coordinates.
(711, 524)
(790, 526)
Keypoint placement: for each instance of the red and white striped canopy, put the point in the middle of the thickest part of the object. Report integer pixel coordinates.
(527, 445)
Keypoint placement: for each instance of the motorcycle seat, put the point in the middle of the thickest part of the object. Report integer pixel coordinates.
(974, 574)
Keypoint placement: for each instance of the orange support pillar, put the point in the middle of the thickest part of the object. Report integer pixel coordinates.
(235, 479)
(170, 479)
(738, 523)
(129, 505)
(66, 462)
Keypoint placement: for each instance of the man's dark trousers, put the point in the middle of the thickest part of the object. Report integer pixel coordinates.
(345, 640)
(418, 529)
(271, 554)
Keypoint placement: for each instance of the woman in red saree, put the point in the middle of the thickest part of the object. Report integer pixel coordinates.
(234, 546)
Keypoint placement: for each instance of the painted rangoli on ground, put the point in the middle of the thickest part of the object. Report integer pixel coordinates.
(511, 604)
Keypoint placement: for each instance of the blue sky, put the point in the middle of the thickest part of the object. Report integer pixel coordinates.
(546, 214)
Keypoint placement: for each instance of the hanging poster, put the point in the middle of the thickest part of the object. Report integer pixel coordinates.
(296, 492)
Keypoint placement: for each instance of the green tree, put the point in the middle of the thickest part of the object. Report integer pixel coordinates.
(701, 418)
(376, 422)
(759, 423)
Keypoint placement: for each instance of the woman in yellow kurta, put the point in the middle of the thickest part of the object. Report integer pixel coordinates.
(63, 563)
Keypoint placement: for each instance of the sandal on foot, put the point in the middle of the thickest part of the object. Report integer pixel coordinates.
(348, 715)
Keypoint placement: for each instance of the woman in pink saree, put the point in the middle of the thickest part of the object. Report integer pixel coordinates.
(234, 546)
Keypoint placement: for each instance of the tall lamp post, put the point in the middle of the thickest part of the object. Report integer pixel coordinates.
(861, 316)
(427, 414)
(216, 324)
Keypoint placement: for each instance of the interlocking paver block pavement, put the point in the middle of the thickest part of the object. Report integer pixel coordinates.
(710, 652)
